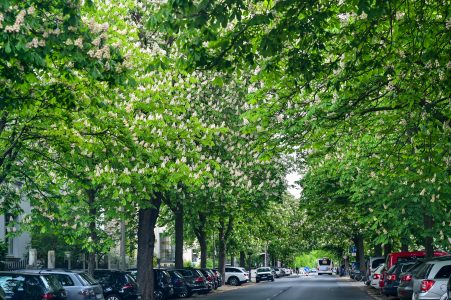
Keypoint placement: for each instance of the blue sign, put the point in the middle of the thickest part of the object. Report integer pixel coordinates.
(353, 249)
(306, 269)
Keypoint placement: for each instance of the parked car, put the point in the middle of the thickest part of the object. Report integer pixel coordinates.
(163, 288)
(371, 265)
(377, 276)
(448, 289)
(195, 280)
(236, 275)
(23, 285)
(405, 285)
(210, 278)
(79, 285)
(278, 272)
(264, 274)
(430, 278)
(218, 277)
(392, 277)
(179, 283)
(117, 285)
(395, 257)
(2, 294)
(288, 271)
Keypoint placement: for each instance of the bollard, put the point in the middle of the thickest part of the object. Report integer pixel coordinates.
(51, 259)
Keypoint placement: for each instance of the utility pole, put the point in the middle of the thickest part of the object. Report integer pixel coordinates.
(214, 250)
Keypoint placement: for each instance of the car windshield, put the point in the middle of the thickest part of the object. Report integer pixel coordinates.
(86, 279)
(324, 262)
(377, 262)
(392, 269)
(264, 270)
(185, 272)
(422, 271)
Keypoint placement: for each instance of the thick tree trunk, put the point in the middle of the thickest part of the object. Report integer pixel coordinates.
(224, 232)
(387, 249)
(428, 239)
(178, 214)
(242, 259)
(92, 229)
(358, 240)
(378, 250)
(199, 231)
(146, 241)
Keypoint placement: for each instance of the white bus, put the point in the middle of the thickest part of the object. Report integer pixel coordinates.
(325, 266)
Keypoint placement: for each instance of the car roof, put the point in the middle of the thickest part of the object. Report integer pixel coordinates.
(45, 271)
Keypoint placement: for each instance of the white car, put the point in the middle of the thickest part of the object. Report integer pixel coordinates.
(236, 275)
(278, 272)
(431, 278)
(288, 272)
(377, 276)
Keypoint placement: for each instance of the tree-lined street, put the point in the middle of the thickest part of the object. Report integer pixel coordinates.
(121, 118)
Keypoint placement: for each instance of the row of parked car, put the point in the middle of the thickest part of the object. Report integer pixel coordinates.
(58, 284)
(409, 275)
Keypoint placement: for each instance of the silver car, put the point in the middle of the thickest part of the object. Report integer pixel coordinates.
(78, 284)
(430, 279)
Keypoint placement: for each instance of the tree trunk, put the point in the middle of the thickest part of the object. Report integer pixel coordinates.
(224, 232)
(387, 249)
(232, 260)
(428, 239)
(358, 240)
(378, 250)
(146, 241)
(404, 244)
(199, 231)
(222, 253)
(92, 229)
(178, 214)
(242, 259)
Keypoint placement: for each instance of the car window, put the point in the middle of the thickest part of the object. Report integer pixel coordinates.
(199, 273)
(263, 270)
(65, 280)
(422, 271)
(392, 269)
(12, 283)
(52, 283)
(377, 262)
(86, 279)
(102, 277)
(406, 267)
(444, 272)
(177, 274)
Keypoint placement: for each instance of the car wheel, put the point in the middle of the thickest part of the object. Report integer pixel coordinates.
(234, 281)
(112, 297)
(183, 295)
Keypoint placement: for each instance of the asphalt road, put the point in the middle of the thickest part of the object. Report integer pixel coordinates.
(298, 288)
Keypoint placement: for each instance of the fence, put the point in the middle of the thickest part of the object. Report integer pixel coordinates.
(15, 265)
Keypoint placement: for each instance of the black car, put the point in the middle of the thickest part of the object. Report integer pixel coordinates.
(210, 278)
(392, 277)
(22, 285)
(117, 285)
(163, 287)
(195, 280)
(405, 287)
(179, 283)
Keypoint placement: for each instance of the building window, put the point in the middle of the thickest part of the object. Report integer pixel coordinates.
(10, 228)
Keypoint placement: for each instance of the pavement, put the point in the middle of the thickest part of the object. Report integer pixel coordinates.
(298, 287)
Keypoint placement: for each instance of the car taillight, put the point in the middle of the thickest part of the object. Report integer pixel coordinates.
(87, 292)
(407, 277)
(48, 296)
(426, 285)
(391, 277)
(128, 286)
(376, 276)
(199, 279)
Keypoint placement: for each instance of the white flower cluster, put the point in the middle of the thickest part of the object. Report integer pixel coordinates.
(35, 42)
(18, 23)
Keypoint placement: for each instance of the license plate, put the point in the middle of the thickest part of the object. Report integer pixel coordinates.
(99, 296)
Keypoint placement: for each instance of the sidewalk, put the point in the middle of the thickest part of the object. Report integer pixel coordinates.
(374, 293)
